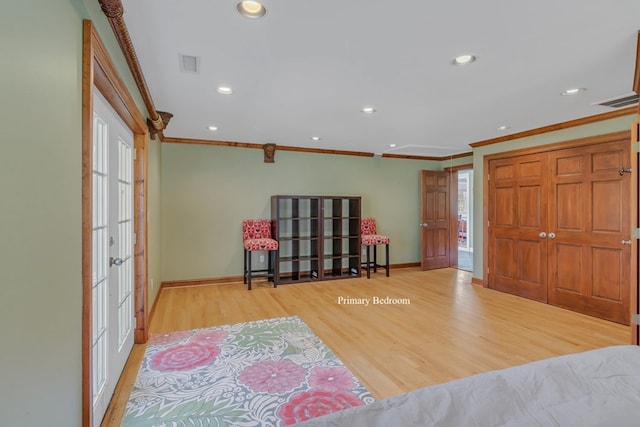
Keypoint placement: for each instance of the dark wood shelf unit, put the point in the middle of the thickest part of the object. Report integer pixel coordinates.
(319, 237)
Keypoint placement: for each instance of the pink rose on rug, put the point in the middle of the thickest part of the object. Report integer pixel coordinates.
(169, 337)
(331, 379)
(277, 376)
(209, 337)
(310, 404)
(183, 357)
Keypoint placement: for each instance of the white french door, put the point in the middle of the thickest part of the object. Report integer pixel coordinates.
(113, 242)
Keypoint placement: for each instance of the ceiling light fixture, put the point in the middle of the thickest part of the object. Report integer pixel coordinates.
(503, 127)
(573, 91)
(368, 110)
(213, 128)
(316, 138)
(224, 90)
(251, 9)
(393, 145)
(463, 59)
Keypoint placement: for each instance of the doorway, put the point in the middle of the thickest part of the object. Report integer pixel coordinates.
(465, 219)
(436, 212)
(99, 74)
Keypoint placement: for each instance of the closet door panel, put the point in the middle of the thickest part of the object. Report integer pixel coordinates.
(607, 271)
(530, 272)
(570, 267)
(589, 216)
(517, 217)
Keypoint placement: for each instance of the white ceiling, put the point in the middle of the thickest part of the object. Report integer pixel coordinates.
(309, 66)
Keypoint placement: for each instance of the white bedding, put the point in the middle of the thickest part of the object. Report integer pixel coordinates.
(594, 388)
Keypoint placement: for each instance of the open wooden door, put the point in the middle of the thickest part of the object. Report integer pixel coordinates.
(435, 219)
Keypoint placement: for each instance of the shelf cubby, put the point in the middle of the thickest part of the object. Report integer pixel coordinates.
(319, 237)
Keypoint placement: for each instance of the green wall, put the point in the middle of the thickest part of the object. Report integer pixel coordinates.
(40, 210)
(598, 128)
(154, 223)
(208, 190)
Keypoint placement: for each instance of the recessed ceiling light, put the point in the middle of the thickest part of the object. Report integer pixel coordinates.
(368, 110)
(251, 9)
(393, 145)
(573, 91)
(503, 127)
(463, 59)
(225, 90)
(316, 138)
(213, 128)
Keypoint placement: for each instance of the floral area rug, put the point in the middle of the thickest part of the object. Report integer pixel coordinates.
(273, 372)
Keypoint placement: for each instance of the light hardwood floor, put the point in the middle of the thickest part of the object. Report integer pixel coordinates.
(449, 329)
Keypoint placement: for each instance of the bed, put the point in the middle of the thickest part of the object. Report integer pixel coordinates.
(594, 388)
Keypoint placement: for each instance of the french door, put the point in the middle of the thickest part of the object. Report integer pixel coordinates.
(113, 262)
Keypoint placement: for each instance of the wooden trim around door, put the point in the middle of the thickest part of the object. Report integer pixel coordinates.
(636, 74)
(635, 223)
(459, 168)
(98, 71)
(453, 217)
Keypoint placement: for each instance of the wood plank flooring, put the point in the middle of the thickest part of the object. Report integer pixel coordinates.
(440, 328)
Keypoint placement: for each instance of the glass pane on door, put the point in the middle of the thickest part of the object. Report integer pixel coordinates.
(100, 281)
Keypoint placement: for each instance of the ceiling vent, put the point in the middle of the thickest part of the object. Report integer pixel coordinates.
(619, 101)
(189, 64)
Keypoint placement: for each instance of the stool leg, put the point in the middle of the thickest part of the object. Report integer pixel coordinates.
(387, 259)
(276, 270)
(249, 274)
(375, 258)
(368, 262)
(244, 269)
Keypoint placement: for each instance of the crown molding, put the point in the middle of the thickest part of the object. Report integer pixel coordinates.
(558, 126)
(114, 11)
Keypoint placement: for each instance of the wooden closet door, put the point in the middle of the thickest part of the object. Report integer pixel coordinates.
(517, 216)
(589, 260)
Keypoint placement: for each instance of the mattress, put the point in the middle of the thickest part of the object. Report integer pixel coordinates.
(593, 388)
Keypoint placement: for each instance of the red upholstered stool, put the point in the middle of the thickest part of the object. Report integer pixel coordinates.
(256, 236)
(370, 237)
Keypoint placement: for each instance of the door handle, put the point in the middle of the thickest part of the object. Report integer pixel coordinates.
(626, 242)
(115, 261)
(552, 235)
(542, 234)
(423, 225)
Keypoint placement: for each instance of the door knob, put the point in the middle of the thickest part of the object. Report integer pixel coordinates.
(542, 234)
(626, 242)
(115, 261)
(424, 225)
(552, 235)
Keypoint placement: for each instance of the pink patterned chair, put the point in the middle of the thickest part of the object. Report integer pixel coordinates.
(370, 237)
(256, 236)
